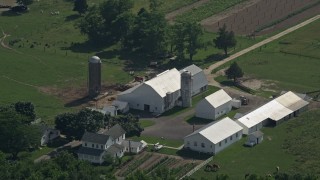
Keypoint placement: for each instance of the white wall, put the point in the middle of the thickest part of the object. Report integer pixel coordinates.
(225, 144)
(189, 142)
(223, 109)
(92, 159)
(199, 80)
(205, 110)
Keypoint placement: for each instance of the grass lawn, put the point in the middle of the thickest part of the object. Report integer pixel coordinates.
(146, 123)
(291, 62)
(44, 150)
(290, 146)
(153, 140)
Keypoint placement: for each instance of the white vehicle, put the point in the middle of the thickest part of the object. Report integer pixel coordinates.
(157, 146)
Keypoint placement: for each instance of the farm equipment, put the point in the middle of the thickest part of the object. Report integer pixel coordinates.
(244, 100)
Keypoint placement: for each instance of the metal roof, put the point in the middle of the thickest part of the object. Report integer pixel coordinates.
(275, 109)
(133, 144)
(163, 83)
(120, 105)
(115, 132)
(218, 130)
(192, 68)
(257, 134)
(128, 91)
(90, 151)
(218, 98)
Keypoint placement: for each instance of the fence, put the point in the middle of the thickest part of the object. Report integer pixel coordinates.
(197, 168)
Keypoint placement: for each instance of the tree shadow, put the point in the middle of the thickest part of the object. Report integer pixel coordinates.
(198, 121)
(72, 17)
(108, 54)
(187, 153)
(215, 57)
(87, 46)
(10, 13)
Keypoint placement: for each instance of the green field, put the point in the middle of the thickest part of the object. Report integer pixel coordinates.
(208, 9)
(291, 62)
(146, 123)
(292, 146)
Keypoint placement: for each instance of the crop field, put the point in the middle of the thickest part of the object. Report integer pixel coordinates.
(246, 20)
(206, 10)
(150, 162)
(292, 146)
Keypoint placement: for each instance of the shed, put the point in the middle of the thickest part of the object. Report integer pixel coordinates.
(121, 106)
(214, 105)
(255, 137)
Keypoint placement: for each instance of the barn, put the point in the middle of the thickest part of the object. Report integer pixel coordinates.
(156, 95)
(273, 113)
(199, 79)
(214, 105)
(214, 137)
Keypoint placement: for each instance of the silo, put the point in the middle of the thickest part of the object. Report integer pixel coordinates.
(94, 76)
(186, 88)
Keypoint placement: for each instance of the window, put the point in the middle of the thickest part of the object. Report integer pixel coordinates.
(225, 141)
(93, 145)
(195, 143)
(230, 138)
(236, 134)
(97, 146)
(101, 146)
(203, 145)
(220, 144)
(188, 143)
(85, 144)
(137, 105)
(211, 146)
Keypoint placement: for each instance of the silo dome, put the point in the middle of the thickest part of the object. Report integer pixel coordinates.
(94, 59)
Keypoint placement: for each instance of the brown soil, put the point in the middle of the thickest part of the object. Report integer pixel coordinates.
(245, 18)
(154, 159)
(172, 15)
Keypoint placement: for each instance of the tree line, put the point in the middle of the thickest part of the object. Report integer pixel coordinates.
(146, 32)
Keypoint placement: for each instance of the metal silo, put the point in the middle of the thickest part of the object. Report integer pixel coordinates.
(186, 89)
(94, 76)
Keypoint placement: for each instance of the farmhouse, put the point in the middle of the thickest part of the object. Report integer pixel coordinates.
(274, 112)
(199, 79)
(156, 95)
(214, 137)
(95, 146)
(214, 105)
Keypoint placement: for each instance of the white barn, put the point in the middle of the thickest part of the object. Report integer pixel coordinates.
(274, 112)
(214, 105)
(214, 137)
(156, 95)
(199, 79)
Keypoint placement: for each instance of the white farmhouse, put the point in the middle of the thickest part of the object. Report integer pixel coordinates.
(199, 79)
(156, 95)
(95, 146)
(272, 113)
(214, 137)
(214, 105)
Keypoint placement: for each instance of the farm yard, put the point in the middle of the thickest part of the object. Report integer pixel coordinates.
(292, 146)
(150, 162)
(262, 15)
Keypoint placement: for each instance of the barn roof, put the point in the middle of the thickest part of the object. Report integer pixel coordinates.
(165, 82)
(218, 98)
(193, 69)
(198, 76)
(218, 130)
(275, 109)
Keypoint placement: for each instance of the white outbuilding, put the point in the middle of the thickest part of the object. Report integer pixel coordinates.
(214, 105)
(156, 95)
(199, 79)
(214, 137)
(273, 113)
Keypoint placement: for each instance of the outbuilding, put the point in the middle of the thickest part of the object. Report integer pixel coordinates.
(156, 95)
(199, 79)
(255, 137)
(214, 105)
(214, 137)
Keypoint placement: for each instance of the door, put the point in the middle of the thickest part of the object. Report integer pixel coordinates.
(147, 107)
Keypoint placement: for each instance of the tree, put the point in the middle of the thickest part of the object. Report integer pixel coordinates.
(27, 109)
(193, 32)
(73, 125)
(179, 39)
(225, 39)
(234, 72)
(80, 6)
(154, 5)
(15, 135)
(128, 122)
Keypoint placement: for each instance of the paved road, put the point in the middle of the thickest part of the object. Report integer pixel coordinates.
(266, 41)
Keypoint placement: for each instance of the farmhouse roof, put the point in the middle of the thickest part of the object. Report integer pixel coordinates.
(133, 144)
(218, 130)
(90, 151)
(218, 98)
(114, 148)
(115, 132)
(95, 138)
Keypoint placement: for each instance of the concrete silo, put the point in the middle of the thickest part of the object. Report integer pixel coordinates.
(186, 89)
(94, 76)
